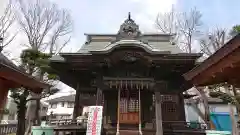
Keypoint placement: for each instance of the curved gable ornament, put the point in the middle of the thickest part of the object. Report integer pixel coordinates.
(127, 43)
(129, 29)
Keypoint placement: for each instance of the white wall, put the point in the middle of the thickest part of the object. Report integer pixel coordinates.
(60, 110)
(63, 110)
(12, 107)
(220, 108)
(191, 114)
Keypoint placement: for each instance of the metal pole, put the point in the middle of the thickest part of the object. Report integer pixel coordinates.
(1, 44)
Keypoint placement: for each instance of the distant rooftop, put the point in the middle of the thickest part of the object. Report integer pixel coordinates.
(69, 98)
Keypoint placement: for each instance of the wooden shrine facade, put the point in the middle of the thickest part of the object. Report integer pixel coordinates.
(133, 94)
(139, 87)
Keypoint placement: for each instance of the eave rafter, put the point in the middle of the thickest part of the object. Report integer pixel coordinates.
(225, 70)
(148, 60)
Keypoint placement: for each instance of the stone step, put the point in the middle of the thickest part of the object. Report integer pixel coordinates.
(129, 132)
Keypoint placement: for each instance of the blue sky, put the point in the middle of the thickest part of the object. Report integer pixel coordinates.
(221, 13)
(105, 16)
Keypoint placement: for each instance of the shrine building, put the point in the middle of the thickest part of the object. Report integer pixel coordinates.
(136, 77)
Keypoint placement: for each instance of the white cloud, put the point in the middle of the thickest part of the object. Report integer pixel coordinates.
(152, 7)
(2, 6)
(148, 12)
(144, 12)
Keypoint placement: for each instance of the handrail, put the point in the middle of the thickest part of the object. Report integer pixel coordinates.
(58, 122)
(8, 128)
(183, 125)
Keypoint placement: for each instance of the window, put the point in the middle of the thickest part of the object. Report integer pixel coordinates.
(70, 105)
(53, 117)
(53, 106)
(62, 104)
(44, 109)
(212, 108)
(129, 105)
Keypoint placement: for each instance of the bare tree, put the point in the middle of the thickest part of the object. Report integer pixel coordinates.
(185, 26)
(189, 25)
(46, 26)
(212, 41)
(6, 22)
(167, 22)
(47, 29)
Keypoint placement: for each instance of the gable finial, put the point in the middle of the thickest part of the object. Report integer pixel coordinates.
(129, 15)
(129, 29)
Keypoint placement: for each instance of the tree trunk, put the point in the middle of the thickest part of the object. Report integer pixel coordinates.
(37, 115)
(206, 108)
(21, 118)
(77, 103)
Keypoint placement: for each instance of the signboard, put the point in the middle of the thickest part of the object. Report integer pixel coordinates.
(94, 124)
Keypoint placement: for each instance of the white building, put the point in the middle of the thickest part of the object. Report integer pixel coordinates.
(215, 106)
(62, 107)
(11, 107)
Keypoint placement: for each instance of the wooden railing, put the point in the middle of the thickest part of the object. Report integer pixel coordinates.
(182, 125)
(170, 127)
(59, 122)
(8, 129)
(67, 126)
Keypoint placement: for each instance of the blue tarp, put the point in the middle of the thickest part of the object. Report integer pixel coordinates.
(222, 121)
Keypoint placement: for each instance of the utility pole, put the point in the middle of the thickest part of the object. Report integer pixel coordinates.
(233, 120)
(1, 44)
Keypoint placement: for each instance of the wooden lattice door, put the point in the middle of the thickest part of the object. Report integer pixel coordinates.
(129, 107)
(169, 108)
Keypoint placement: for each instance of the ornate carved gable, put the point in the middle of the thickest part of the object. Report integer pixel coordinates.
(129, 29)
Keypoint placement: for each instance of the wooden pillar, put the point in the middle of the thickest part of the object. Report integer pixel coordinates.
(158, 113)
(99, 97)
(105, 116)
(77, 103)
(3, 96)
(118, 111)
(181, 106)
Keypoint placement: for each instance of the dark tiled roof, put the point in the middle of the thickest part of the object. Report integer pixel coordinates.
(86, 99)
(69, 98)
(210, 101)
(215, 100)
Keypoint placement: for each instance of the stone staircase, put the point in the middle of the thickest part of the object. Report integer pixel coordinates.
(129, 132)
